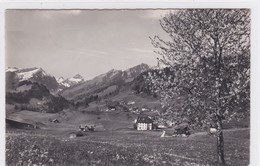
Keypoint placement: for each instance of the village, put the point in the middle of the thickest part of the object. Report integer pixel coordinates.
(142, 119)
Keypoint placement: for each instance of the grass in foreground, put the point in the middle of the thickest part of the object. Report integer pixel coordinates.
(123, 148)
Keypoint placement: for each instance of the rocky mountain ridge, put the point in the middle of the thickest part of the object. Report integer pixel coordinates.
(33, 74)
(75, 89)
(107, 83)
(65, 83)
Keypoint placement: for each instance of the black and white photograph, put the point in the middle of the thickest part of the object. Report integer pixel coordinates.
(155, 87)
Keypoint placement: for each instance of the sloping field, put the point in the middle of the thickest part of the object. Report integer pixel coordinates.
(70, 120)
(139, 101)
(123, 148)
(114, 143)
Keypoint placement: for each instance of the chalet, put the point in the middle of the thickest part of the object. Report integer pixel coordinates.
(73, 135)
(131, 103)
(55, 121)
(112, 105)
(82, 127)
(86, 127)
(144, 123)
(145, 109)
(161, 126)
(182, 129)
(112, 108)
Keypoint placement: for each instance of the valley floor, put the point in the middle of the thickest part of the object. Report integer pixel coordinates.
(122, 147)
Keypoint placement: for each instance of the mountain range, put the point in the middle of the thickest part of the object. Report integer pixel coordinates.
(26, 83)
(124, 91)
(104, 84)
(40, 76)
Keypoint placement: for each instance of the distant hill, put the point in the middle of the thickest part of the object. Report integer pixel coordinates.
(27, 89)
(105, 84)
(32, 96)
(15, 75)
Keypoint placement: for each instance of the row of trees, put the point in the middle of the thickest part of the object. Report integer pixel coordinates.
(208, 56)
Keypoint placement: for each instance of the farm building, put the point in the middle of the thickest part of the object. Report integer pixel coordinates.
(144, 123)
(55, 121)
(131, 103)
(182, 129)
(86, 127)
(73, 135)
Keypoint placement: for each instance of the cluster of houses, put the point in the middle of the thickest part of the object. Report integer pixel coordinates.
(86, 127)
(127, 106)
(82, 128)
(121, 105)
(144, 122)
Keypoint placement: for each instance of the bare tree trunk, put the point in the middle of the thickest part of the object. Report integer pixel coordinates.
(220, 148)
(220, 143)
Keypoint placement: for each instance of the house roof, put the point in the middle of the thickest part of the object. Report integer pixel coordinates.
(182, 126)
(144, 119)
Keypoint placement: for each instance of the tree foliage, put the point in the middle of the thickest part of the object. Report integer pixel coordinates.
(208, 56)
(209, 60)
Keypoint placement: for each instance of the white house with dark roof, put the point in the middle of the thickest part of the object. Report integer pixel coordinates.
(144, 123)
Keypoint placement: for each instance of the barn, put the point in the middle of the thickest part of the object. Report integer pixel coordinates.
(144, 123)
(182, 129)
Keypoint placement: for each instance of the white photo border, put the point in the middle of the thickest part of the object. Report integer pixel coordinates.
(148, 4)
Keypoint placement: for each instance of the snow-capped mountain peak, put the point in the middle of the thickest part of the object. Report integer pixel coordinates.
(76, 79)
(26, 74)
(11, 69)
(60, 80)
(34, 74)
(70, 81)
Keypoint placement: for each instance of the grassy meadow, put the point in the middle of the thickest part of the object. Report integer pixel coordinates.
(122, 147)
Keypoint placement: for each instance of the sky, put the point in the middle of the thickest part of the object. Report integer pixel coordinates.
(86, 42)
